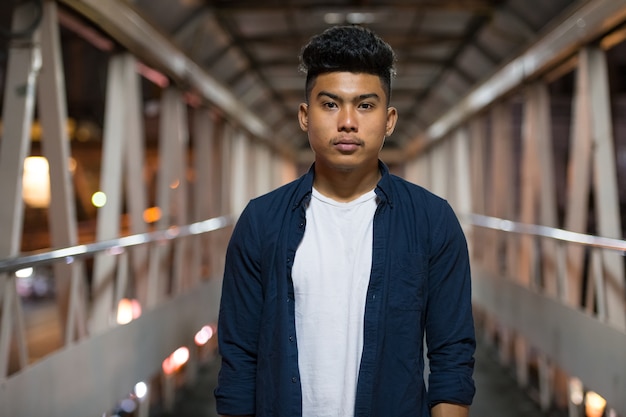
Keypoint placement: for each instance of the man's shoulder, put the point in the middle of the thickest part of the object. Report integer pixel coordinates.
(287, 195)
(407, 190)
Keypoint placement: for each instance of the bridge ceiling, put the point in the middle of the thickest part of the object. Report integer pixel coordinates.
(444, 48)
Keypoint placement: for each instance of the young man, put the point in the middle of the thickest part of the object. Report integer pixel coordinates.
(332, 281)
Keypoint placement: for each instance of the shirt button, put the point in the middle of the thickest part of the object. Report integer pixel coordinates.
(294, 379)
(291, 338)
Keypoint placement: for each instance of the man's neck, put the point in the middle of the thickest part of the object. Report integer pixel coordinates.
(345, 186)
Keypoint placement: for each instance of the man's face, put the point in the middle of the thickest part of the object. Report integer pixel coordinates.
(347, 119)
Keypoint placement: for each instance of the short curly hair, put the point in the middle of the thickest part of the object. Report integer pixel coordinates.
(347, 48)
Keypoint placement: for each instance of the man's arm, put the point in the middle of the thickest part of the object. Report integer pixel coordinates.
(449, 410)
(449, 322)
(239, 320)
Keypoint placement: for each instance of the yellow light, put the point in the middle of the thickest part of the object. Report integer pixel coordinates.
(175, 361)
(35, 131)
(24, 273)
(84, 132)
(72, 165)
(36, 182)
(128, 310)
(71, 127)
(99, 199)
(594, 404)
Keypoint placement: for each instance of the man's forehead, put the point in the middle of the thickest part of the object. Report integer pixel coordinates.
(348, 83)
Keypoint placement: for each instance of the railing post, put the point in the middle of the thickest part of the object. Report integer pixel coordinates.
(477, 177)
(24, 62)
(462, 180)
(262, 175)
(56, 147)
(239, 172)
(108, 221)
(501, 204)
(578, 182)
(133, 160)
(203, 137)
(605, 187)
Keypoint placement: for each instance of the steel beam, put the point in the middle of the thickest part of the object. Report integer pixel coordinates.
(591, 21)
(19, 102)
(129, 28)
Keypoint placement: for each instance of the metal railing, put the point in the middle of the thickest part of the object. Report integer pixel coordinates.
(504, 225)
(178, 269)
(113, 245)
(558, 294)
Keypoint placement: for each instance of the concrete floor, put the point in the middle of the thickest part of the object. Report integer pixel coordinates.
(497, 394)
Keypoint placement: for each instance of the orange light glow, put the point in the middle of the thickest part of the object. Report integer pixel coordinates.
(175, 361)
(152, 214)
(594, 404)
(128, 310)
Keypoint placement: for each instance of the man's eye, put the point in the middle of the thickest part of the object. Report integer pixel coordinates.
(330, 105)
(366, 105)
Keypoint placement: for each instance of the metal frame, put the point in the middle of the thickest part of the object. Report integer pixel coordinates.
(122, 262)
(19, 104)
(568, 336)
(124, 24)
(597, 16)
(514, 261)
(591, 21)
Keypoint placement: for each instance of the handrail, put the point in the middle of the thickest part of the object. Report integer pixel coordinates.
(545, 231)
(489, 222)
(113, 245)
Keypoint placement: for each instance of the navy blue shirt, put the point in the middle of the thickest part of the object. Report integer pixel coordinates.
(419, 285)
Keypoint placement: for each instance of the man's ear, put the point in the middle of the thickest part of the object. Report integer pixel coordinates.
(303, 116)
(392, 118)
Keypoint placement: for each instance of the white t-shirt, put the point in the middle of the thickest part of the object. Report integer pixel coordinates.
(331, 274)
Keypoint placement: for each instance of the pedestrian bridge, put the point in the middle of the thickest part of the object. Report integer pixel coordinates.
(110, 271)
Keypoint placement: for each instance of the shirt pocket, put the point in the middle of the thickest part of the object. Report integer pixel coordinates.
(407, 281)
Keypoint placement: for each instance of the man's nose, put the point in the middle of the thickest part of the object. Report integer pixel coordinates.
(347, 120)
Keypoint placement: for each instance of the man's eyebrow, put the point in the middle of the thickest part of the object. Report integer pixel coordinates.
(369, 95)
(328, 94)
(339, 98)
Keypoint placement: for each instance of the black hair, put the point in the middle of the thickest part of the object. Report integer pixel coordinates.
(348, 48)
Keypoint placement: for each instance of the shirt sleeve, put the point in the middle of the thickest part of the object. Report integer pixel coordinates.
(449, 322)
(239, 319)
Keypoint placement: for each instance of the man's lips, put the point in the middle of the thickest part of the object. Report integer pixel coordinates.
(347, 144)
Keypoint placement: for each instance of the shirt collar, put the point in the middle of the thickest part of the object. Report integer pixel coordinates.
(384, 188)
(302, 195)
